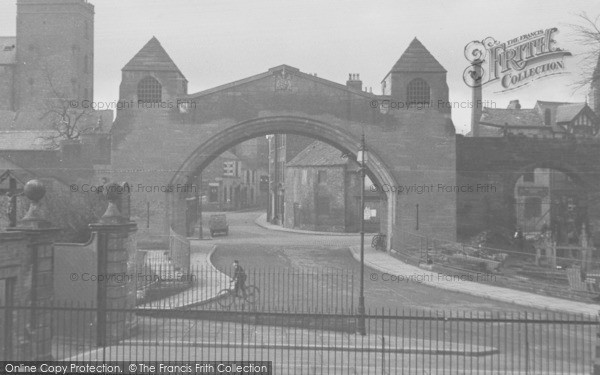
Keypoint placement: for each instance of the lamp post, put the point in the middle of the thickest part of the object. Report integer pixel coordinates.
(199, 193)
(362, 159)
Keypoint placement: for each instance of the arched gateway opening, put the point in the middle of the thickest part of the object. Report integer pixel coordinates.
(215, 145)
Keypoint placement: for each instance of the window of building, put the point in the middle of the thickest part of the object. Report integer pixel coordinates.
(225, 194)
(213, 194)
(322, 206)
(547, 117)
(418, 92)
(229, 168)
(149, 90)
(86, 62)
(282, 171)
(533, 207)
(321, 177)
(247, 177)
(529, 176)
(86, 30)
(304, 176)
(85, 93)
(264, 183)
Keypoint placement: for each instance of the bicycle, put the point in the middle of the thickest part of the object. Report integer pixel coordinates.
(226, 297)
(378, 242)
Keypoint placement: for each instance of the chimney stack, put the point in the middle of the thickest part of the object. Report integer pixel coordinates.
(477, 100)
(354, 82)
(514, 104)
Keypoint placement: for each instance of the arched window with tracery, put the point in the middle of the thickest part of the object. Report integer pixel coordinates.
(149, 90)
(418, 92)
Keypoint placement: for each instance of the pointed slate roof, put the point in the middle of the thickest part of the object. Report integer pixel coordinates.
(318, 154)
(567, 112)
(417, 58)
(152, 57)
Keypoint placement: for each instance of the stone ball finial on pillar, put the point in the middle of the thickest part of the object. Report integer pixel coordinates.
(112, 191)
(34, 190)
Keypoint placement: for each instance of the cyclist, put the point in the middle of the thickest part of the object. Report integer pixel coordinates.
(239, 278)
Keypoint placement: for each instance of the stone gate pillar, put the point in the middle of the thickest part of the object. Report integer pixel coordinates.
(32, 331)
(116, 296)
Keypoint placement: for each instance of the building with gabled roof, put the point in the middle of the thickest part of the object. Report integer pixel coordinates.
(323, 192)
(546, 119)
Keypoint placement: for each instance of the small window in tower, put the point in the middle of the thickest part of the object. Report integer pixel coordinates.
(85, 93)
(547, 117)
(86, 32)
(86, 62)
(418, 92)
(149, 90)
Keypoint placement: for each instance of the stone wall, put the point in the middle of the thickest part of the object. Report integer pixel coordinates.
(311, 197)
(500, 161)
(75, 268)
(54, 40)
(7, 96)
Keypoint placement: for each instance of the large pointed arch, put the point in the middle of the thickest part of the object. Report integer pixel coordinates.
(212, 147)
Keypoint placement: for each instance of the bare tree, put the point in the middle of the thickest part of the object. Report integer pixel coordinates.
(587, 33)
(66, 117)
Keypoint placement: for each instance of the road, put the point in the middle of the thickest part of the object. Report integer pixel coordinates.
(261, 249)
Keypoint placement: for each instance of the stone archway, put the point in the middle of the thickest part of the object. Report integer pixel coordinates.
(546, 190)
(333, 135)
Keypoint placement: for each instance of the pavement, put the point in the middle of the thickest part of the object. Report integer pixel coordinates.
(207, 286)
(391, 267)
(261, 221)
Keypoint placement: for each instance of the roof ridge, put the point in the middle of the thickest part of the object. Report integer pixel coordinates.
(325, 151)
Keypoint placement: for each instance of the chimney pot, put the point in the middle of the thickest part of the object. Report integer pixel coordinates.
(354, 82)
(514, 104)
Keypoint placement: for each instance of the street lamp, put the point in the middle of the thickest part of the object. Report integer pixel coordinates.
(362, 158)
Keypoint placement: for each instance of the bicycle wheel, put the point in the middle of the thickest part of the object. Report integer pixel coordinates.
(225, 298)
(252, 294)
(374, 242)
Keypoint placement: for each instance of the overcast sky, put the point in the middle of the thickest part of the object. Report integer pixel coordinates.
(216, 42)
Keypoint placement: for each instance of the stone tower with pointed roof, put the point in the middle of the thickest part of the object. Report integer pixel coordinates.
(594, 93)
(417, 78)
(151, 79)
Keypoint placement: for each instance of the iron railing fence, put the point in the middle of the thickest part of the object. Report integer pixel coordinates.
(325, 290)
(179, 251)
(397, 342)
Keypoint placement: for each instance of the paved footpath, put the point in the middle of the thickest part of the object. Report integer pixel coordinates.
(207, 284)
(385, 263)
(261, 221)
